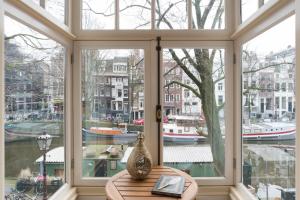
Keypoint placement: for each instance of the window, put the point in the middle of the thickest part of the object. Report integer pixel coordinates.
(98, 151)
(38, 109)
(220, 100)
(283, 87)
(249, 7)
(220, 86)
(277, 102)
(268, 103)
(258, 169)
(136, 15)
(54, 7)
(177, 147)
(283, 103)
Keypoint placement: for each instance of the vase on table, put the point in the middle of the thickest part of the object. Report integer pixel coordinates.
(139, 163)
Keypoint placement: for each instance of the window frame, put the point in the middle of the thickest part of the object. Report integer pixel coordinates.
(228, 55)
(263, 20)
(27, 18)
(116, 34)
(77, 108)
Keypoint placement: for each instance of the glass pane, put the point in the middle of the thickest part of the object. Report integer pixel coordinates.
(171, 14)
(268, 129)
(54, 7)
(208, 14)
(98, 14)
(112, 108)
(249, 7)
(135, 14)
(34, 105)
(193, 122)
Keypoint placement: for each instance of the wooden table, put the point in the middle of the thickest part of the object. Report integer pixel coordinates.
(122, 186)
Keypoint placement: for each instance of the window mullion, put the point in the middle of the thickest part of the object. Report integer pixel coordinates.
(117, 15)
(152, 14)
(189, 2)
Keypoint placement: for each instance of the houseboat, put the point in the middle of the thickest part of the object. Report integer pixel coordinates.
(269, 131)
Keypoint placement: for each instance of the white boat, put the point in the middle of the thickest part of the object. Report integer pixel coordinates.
(182, 129)
(269, 131)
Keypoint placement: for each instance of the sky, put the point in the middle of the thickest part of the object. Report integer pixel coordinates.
(275, 39)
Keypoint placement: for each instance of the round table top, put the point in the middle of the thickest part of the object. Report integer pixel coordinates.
(122, 186)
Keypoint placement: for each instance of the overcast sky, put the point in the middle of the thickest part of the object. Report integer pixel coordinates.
(275, 39)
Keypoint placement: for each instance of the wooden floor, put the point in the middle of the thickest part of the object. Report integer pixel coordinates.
(122, 186)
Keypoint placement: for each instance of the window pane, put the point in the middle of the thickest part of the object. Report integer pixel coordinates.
(249, 7)
(98, 14)
(171, 14)
(54, 7)
(135, 14)
(111, 119)
(193, 123)
(208, 14)
(268, 129)
(34, 104)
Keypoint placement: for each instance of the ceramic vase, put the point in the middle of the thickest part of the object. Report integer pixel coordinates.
(139, 163)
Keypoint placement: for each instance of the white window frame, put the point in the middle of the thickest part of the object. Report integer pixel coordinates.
(228, 48)
(23, 13)
(265, 18)
(207, 34)
(150, 103)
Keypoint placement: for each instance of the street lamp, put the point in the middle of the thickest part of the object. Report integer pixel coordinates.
(44, 142)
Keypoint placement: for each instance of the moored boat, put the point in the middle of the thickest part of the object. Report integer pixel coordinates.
(269, 131)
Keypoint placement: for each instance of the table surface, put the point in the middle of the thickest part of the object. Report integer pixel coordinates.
(122, 186)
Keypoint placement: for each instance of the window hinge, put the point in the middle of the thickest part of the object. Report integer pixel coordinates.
(72, 163)
(234, 59)
(234, 163)
(72, 59)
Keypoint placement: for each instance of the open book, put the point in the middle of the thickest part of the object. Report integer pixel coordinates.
(169, 186)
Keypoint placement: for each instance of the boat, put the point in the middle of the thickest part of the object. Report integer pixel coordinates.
(269, 131)
(182, 129)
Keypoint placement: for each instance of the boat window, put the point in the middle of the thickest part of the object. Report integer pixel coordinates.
(247, 131)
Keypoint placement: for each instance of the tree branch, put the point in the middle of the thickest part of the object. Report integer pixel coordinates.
(206, 12)
(184, 68)
(185, 86)
(267, 66)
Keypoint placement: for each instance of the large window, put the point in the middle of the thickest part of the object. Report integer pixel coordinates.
(194, 127)
(34, 105)
(168, 14)
(268, 112)
(110, 126)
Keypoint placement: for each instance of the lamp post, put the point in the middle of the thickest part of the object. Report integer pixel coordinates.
(44, 142)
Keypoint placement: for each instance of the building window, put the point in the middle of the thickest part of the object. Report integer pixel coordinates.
(283, 103)
(119, 93)
(220, 86)
(220, 100)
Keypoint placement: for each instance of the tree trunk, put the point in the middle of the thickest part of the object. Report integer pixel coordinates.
(210, 109)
